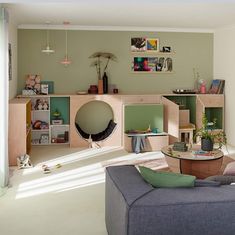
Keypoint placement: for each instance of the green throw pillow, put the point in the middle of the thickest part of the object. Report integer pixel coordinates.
(166, 179)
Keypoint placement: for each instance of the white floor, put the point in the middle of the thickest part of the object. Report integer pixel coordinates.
(68, 201)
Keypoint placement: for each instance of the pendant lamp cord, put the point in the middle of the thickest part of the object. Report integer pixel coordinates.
(66, 44)
(48, 38)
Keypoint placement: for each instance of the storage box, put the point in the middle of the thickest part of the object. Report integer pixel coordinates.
(153, 143)
(28, 92)
(57, 122)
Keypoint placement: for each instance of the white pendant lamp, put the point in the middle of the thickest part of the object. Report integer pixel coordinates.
(66, 61)
(48, 50)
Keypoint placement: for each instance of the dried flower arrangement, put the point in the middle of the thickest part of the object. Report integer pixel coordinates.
(98, 60)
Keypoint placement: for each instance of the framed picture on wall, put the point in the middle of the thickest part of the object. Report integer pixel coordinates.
(152, 64)
(138, 44)
(9, 62)
(152, 44)
(140, 64)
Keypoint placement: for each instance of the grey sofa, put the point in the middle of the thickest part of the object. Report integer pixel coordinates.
(134, 207)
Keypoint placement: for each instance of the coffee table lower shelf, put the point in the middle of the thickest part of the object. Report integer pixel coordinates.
(200, 169)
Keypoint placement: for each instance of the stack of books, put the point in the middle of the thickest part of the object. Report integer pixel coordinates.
(201, 153)
(217, 86)
(180, 146)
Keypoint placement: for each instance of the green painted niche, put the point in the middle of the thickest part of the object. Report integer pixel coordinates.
(139, 117)
(62, 105)
(215, 113)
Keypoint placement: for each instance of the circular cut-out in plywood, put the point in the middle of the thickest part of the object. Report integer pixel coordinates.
(94, 116)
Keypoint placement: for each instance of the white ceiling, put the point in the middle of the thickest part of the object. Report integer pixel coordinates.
(182, 15)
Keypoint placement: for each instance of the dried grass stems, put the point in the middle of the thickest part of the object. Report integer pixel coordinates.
(98, 61)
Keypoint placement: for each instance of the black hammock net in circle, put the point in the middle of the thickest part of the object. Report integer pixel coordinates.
(98, 136)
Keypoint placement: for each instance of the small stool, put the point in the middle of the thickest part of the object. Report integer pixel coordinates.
(186, 133)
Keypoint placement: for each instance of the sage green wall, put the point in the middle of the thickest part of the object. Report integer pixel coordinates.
(193, 50)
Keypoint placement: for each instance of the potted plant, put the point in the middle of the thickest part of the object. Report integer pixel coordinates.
(209, 135)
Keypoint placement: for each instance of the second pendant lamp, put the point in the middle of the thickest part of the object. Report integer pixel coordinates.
(66, 61)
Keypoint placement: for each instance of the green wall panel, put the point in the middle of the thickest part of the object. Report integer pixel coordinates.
(191, 105)
(192, 50)
(139, 117)
(217, 113)
(62, 105)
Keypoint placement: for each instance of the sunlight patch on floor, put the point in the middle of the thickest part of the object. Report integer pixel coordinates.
(80, 177)
(71, 158)
(77, 176)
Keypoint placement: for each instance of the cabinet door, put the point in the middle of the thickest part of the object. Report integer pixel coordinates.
(200, 109)
(171, 117)
(19, 129)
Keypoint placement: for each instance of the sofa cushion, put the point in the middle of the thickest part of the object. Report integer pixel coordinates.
(223, 179)
(229, 169)
(206, 183)
(160, 179)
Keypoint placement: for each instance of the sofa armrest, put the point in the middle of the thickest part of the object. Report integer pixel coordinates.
(123, 186)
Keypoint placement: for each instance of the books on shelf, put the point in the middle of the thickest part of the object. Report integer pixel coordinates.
(217, 86)
(201, 153)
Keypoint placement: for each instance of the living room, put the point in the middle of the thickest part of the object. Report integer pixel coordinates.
(200, 38)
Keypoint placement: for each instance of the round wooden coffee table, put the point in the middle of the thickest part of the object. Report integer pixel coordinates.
(189, 163)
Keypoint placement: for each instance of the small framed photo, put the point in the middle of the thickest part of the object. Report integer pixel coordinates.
(166, 49)
(44, 89)
(152, 44)
(138, 44)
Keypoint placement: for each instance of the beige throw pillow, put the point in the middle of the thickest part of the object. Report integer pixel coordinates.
(229, 169)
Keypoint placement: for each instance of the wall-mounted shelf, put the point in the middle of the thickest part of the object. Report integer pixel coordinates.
(153, 72)
(152, 53)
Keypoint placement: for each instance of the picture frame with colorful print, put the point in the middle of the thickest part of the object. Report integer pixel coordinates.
(138, 44)
(140, 64)
(152, 44)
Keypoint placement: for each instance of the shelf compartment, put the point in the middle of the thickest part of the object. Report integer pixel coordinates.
(40, 103)
(40, 137)
(59, 134)
(140, 116)
(215, 113)
(62, 104)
